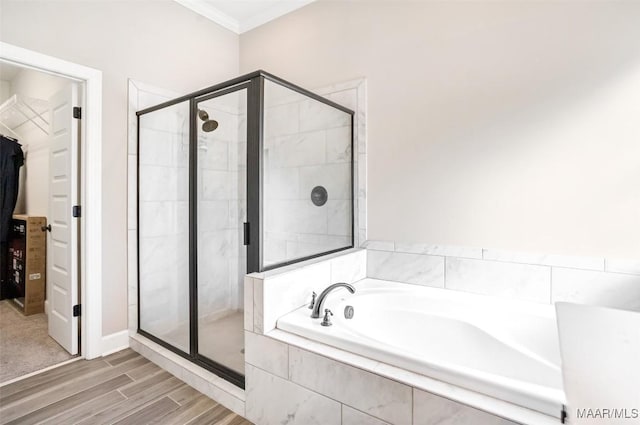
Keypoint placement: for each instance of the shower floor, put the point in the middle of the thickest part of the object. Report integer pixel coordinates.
(220, 338)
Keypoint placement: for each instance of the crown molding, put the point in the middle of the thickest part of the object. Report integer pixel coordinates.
(209, 11)
(212, 13)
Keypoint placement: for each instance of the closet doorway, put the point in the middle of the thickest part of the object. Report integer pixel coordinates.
(40, 123)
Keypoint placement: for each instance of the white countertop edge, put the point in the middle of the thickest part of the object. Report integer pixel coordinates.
(470, 398)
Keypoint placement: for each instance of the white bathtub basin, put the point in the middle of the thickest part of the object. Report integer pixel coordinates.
(502, 348)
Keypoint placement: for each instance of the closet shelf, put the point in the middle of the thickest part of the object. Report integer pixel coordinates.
(19, 110)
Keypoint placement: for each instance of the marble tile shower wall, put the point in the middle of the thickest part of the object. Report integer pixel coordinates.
(306, 144)
(532, 277)
(140, 97)
(163, 210)
(221, 211)
(353, 95)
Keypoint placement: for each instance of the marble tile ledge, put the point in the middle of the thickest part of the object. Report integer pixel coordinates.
(297, 266)
(470, 398)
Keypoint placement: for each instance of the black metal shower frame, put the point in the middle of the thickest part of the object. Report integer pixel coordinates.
(254, 84)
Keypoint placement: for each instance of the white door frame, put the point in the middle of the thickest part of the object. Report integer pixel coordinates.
(90, 188)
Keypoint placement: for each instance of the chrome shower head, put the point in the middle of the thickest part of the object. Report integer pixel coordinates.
(209, 125)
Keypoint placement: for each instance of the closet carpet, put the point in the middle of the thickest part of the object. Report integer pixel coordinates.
(25, 344)
(123, 388)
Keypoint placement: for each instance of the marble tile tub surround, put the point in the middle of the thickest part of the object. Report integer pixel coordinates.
(296, 381)
(290, 378)
(526, 276)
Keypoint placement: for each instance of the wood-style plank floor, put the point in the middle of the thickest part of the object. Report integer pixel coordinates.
(123, 388)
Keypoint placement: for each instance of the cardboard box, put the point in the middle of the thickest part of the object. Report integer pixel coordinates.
(28, 262)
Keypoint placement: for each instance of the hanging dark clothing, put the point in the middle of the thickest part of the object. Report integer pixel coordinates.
(11, 159)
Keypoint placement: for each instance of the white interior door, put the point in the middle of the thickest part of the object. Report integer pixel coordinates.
(62, 260)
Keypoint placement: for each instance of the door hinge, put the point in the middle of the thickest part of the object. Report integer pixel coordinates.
(77, 310)
(563, 414)
(77, 112)
(77, 211)
(246, 233)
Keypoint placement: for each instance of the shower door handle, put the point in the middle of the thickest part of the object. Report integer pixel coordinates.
(246, 233)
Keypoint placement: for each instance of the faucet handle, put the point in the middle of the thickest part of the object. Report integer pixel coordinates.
(327, 320)
(313, 300)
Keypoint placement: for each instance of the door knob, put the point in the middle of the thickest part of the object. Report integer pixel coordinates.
(46, 228)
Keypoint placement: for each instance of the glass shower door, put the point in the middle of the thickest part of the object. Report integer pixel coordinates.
(163, 225)
(221, 193)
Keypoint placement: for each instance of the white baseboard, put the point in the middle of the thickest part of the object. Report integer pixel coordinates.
(115, 342)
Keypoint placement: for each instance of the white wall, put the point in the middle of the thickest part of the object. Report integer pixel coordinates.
(511, 125)
(158, 42)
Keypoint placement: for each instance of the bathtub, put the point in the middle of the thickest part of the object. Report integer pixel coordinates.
(502, 348)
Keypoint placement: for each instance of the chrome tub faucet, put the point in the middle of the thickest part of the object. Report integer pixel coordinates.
(317, 308)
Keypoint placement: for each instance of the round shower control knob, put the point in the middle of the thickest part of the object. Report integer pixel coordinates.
(319, 196)
(348, 312)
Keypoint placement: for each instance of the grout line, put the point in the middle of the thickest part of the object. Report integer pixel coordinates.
(288, 362)
(444, 284)
(551, 285)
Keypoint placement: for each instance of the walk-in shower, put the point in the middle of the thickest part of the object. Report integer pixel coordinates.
(244, 176)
